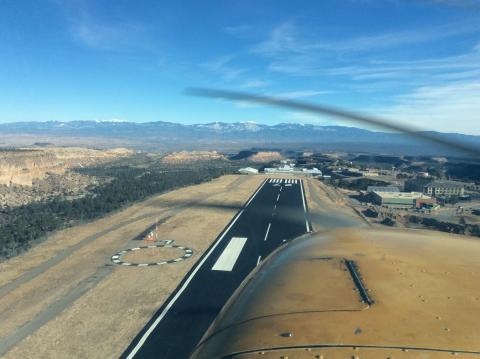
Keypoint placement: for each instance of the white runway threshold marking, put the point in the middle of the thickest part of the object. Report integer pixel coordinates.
(230, 254)
(149, 331)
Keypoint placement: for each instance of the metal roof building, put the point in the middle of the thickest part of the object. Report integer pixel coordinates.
(401, 199)
(444, 188)
(383, 189)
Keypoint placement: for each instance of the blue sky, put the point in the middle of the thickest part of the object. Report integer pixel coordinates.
(415, 61)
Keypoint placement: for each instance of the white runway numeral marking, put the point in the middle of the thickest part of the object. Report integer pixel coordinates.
(230, 254)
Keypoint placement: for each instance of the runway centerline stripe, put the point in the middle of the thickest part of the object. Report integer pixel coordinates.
(278, 197)
(258, 260)
(149, 331)
(268, 230)
(230, 254)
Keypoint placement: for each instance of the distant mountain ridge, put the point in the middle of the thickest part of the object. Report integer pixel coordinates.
(221, 132)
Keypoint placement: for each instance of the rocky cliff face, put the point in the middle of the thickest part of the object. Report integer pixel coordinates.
(266, 156)
(28, 175)
(191, 156)
(24, 166)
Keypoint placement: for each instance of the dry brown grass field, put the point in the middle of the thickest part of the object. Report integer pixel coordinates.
(65, 299)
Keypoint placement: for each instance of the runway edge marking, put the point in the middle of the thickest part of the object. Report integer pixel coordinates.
(184, 285)
(307, 224)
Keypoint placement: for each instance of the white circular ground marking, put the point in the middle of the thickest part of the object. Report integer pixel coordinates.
(117, 257)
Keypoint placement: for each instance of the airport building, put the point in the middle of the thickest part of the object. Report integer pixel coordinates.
(371, 189)
(444, 189)
(282, 169)
(248, 171)
(402, 199)
(288, 169)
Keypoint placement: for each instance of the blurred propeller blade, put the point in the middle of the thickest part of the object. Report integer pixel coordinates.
(331, 111)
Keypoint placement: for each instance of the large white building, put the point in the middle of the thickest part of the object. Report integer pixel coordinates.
(282, 169)
(288, 169)
(248, 171)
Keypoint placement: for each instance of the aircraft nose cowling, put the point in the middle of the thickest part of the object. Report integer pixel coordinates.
(423, 287)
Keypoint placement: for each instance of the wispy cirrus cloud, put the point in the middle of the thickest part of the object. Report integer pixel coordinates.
(463, 66)
(223, 66)
(254, 84)
(112, 37)
(292, 52)
(112, 34)
(453, 106)
(435, 92)
(282, 38)
(288, 38)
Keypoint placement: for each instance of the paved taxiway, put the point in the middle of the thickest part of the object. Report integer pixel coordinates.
(276, 212)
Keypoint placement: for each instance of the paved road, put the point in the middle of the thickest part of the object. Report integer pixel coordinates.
(264, 223)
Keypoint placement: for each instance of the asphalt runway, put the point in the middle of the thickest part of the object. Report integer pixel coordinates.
(275, 213)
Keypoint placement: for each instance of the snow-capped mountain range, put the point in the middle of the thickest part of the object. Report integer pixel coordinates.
(218, 132)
